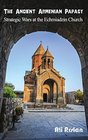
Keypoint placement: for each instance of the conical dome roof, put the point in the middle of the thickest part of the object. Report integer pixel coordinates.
(47, 54)
(40, 50)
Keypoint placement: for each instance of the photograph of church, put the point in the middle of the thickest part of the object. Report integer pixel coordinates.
(43, 84)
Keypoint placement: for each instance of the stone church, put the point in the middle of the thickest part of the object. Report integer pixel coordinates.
(43, 84)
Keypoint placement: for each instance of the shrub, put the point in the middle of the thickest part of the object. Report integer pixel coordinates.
(19, 111)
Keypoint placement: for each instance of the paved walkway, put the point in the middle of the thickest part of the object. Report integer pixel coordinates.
(39, 125)
(69, 108)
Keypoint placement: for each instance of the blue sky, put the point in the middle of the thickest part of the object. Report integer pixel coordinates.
(66, 59)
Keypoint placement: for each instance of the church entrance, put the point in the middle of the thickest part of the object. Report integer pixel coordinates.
(44, 97)
(50, 91)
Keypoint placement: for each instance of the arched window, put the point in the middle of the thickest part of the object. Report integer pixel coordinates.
(44, 61)
(48, 61)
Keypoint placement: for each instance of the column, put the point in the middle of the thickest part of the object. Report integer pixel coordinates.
(54, 92)
(39, 98)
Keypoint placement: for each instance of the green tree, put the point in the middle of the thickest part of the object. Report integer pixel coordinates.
(10, 85)
(79, 95)
(9, 90)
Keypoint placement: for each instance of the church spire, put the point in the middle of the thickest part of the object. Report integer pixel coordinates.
(47, 59)
(47, 47)
(47, 53)
(36, 58)
(40, 49)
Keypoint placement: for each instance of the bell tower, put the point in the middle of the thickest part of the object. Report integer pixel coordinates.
(36, 58)
(47, 59)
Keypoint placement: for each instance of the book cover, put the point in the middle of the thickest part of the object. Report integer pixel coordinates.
(43, 69)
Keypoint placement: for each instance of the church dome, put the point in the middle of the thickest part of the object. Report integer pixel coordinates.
(40, 50)
(47, 54)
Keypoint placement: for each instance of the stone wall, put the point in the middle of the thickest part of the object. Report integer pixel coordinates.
(8, 106)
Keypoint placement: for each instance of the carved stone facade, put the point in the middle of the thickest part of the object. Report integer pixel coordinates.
(43, 83)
